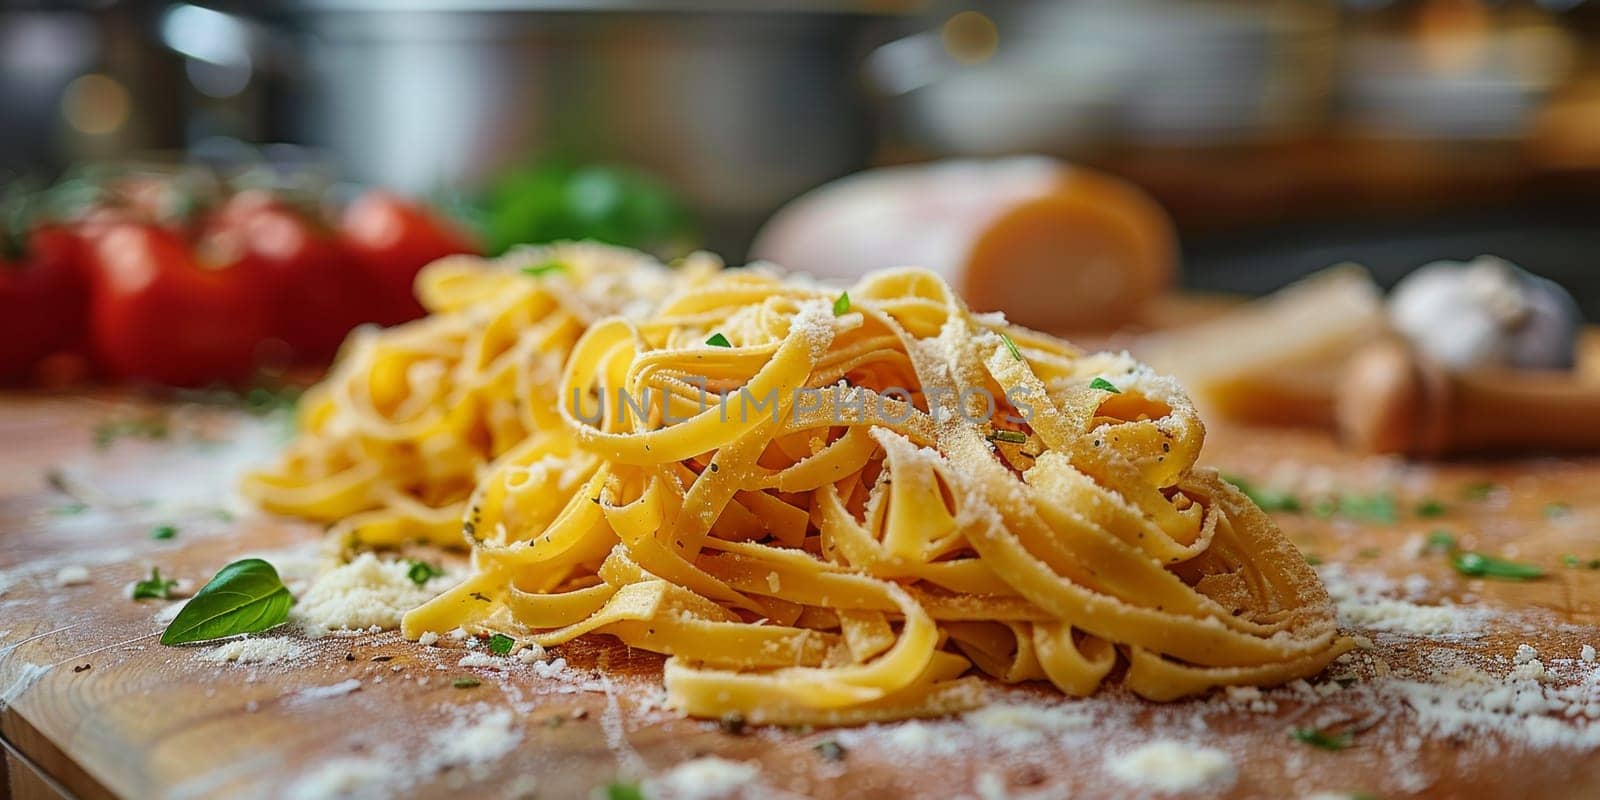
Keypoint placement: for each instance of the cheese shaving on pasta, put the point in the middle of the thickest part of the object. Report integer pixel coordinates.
(823, 509)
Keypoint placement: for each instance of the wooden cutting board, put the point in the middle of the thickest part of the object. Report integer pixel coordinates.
(96, 707)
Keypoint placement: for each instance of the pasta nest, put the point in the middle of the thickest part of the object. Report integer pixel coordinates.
(825, 508)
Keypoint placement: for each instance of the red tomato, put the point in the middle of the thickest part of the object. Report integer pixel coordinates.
(316, 294)
(156, 312)
(392, 239)
(42, 301)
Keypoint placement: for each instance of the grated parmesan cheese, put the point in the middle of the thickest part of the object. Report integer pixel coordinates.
(364, 594)
(256, 651)
(73, 575)
(1016, 726)
(477, 743)
(344, 778)
(325, 692)
(1168, 765)
(707, 778)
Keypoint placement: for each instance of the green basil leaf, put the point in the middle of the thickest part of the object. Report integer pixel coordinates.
(1103, 385)
(245, 597)
(841, 304)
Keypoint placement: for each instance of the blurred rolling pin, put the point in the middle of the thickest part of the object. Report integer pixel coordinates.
(1394, 401)
(1056, 247)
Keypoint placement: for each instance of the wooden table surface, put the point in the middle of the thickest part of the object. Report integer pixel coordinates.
(95, 704)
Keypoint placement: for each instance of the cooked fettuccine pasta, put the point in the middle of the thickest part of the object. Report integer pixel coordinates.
(824, 507)
(392, 442)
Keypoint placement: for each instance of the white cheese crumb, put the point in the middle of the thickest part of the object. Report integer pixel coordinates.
(343, 777)
(1015, 726)
(1524, 654)
(706, 778)
(481, 660)
(530, 653)
(324, 692)
(914, 736)
(1172, 766)
(428, 639)
(1531, 670)
(75, 575)
(256, 651)
(550, 670)
(1587, 653)
(479, 742)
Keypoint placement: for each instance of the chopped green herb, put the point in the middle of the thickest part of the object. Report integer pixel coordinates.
(830, 750)
(1368, 553)
(1379, 507)
(1009, 437)
(153, 426)
(1578, 563)
(163, 532)
(1557, 510)
(421, 572)
(841, 304)
(1313, 559)
(1324, 507)
(466, 683)
(70, 509)
(619, 790)
(544, 269)
(260, 400)
(1478, 565)
(244, 597)
(1322, 740)
(1104, 385)
(1478, 491)
(1012, 346)
(501, 644)
(1441, 541)
(154, 587)
(718, 340)
(1265, 499)
(1431, 508)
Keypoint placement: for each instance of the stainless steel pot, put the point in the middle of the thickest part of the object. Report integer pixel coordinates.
(740, 106)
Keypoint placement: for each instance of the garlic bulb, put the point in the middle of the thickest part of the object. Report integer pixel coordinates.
(1486, 312)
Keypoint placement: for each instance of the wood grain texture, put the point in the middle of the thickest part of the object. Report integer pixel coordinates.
(107, 711)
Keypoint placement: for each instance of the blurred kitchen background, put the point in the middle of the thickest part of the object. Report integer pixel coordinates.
(1281, 136)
